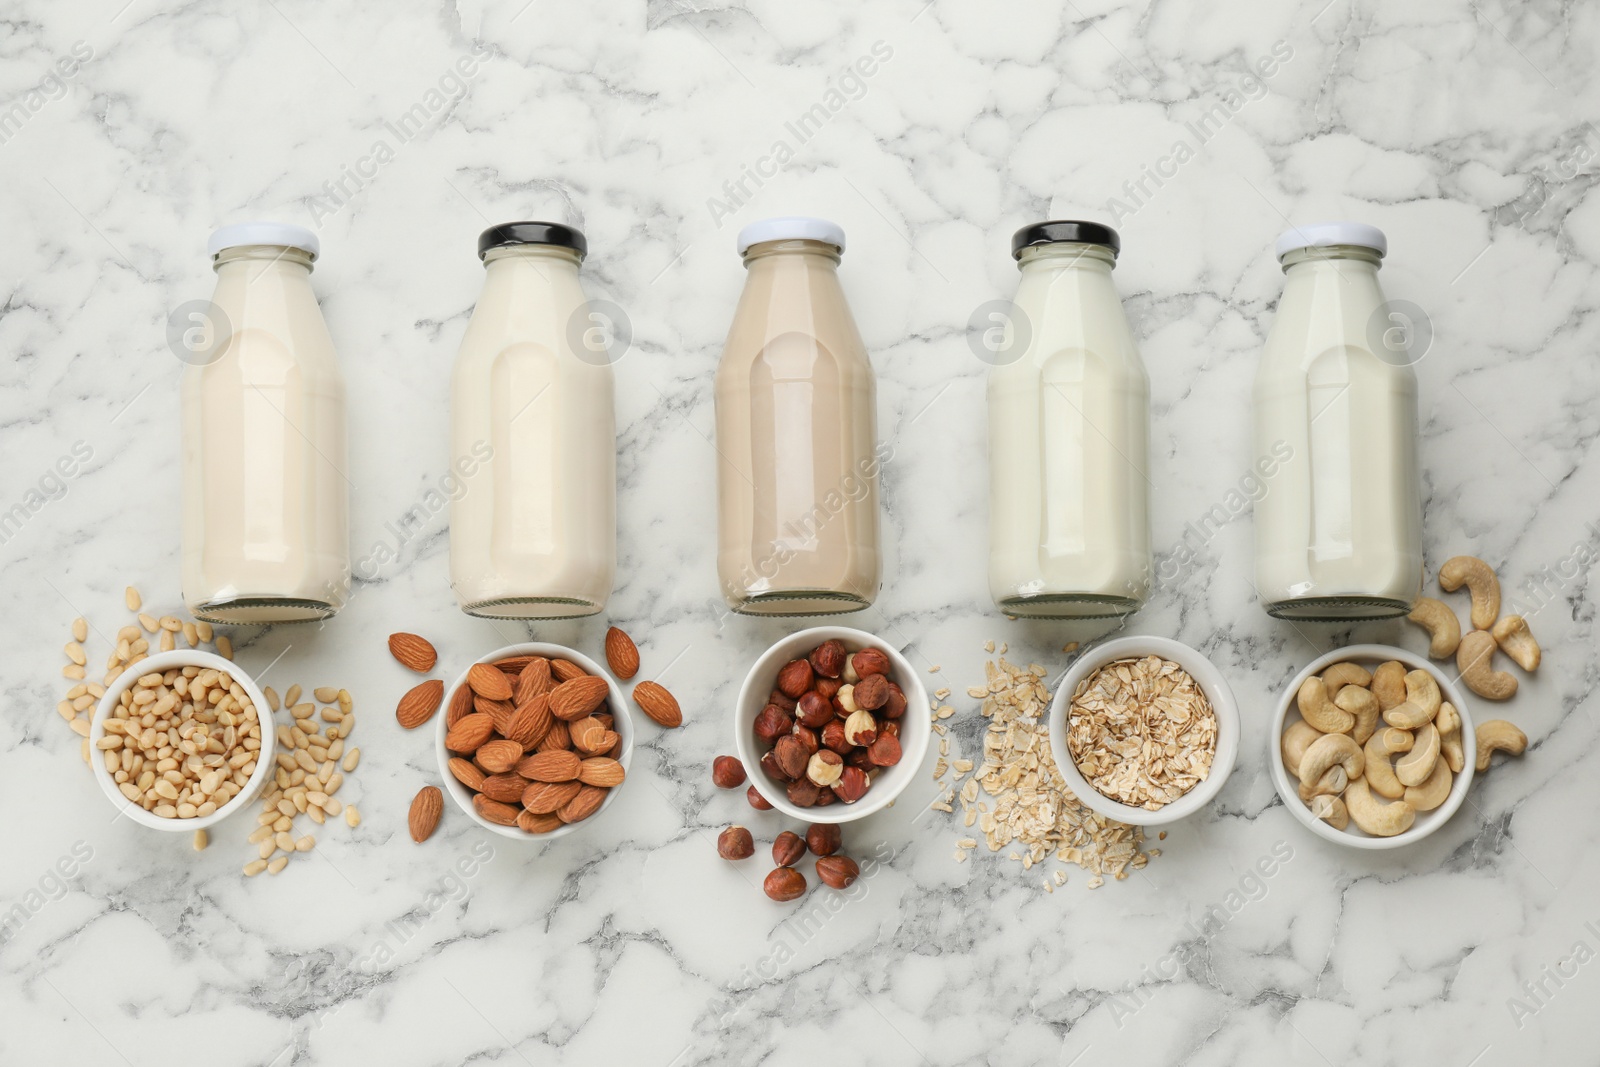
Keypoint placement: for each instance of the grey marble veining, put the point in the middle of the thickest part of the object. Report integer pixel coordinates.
(129, 129)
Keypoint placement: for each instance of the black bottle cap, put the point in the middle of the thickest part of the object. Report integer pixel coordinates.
(532, 233)
(1064, 231)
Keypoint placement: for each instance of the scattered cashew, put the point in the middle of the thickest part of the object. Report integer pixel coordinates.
(1433, 789)
(1497, 735)
(1330, 810)
(1439, 619)
(1374, 816)
(1363, 705)
(1479, 578)
(1379, 771)
(1474, 660)
(1340, 675)
(1421, 703)
(1320, 712)
(1415, 766)
(1332, 783)
(1516, 640)
(1296, 739)
(1389, 684)
(1327, 752)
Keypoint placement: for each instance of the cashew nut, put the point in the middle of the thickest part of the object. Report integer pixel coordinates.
(1439, 619)
(1327, 752)
(1421, 703)
(1448, 718)
(1415, 766)
(1479, 578)
(1363, 705)
(1431, 793)
(1340, 675)
(1474, 660)
(1374, 816)
(1296, 739)
(1332, 783)
(1448, 723)
(1319, 711)
(1379, 772)
(1499, 735)
(1516, 640)
(1389, 684)
(1330, 810)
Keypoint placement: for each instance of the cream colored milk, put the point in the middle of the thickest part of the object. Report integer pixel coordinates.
(1339, 534)
(1069, 529)
(265, 529)
(533, 533)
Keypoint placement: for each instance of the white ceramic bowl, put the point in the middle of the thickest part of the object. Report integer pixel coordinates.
(165, 661)
(1211, 683)
(1369, 656)
(622, 723)
(915, 727)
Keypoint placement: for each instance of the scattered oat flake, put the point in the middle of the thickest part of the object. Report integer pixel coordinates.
(1095, 881)
(988, 646)
(941, 694)
(933, 669)
(1070, 647)
(961, 856)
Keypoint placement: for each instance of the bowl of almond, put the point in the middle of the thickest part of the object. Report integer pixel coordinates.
(831, 725)
(535, 740)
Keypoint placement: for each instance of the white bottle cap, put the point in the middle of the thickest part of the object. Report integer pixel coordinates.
(791, 228)
(1323, 234)
(281, 234)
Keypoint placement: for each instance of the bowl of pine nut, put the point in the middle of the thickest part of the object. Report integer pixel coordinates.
(182, 740)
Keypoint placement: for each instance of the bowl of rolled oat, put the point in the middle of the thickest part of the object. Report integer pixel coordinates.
(1144, 730)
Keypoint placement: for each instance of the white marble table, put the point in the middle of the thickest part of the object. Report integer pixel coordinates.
(1460, 130)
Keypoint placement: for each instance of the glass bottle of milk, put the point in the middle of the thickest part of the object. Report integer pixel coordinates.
(265, 491)
(1339, 531)
(1069, 432)
(533, 530)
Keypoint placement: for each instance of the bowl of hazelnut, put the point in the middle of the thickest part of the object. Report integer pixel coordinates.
(831, 725)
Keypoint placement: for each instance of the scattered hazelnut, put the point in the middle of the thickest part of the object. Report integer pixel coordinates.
(785, 884)
(790, 754)
(839, 872)
(814, 711)
(885, 751)
(803, 793)
(846, 699)
(825, 767)
(896, 706)
(808, 737)
(727, 772)
(788, 849)
(735, 843)
(772, 723)
(769, 764)
(795, 678)
(852, 785)
(757, 801)
(827, 659)
(872, 692)
(833, 737)
(870, 661)
(861, 728)
(823, 839)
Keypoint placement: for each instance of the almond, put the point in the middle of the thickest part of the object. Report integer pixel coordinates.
(530, 723)
(467, 773)
(512, 665)
(494, 811)
(530, 823)
(460, 706)
(574, 699)
(501, 711)
(419, 704)
(534, 680)
(654, 700)
(555, 739)
(506, 788)
(554, 766)
(543, 798)
(621, 653)
(465, 736)
(565, 670)
(587, 735)
(601, 772)
(498, 757)
(414, 652)
(426, 808)
(585, 804)
(488, 681)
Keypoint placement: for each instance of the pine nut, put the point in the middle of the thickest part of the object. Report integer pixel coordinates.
(167, 642)
(278, 864)
(225, 650)
(80, 726)
(80, 629)
(66, 710)
(170, 623)
(315, 815)
(74, 652)
(200, 840)
(284, 841)
(305, 844)
(138, 648)
(326, 694)
(203, 628)
(272, 697)
(149, 622)
(352, 817)
(303, 711)
(346, 702)
(332, 715)
(266, 848)
(292, 697)
(190, 635)
(332, 807)
(130, 596)
(260, 834)
(73, 671)
(254, 867)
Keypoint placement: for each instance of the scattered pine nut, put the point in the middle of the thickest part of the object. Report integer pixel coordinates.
(272, 697)
(74, 652)
(278, 864)
(168, 642)
(191, 635)
(73, 671)
(352, 817)
(326, 694)
(305, 844)
(225, 650)
(351, 758)
(292, 697)
(203, 628)
(346, 702)
(80, 726)
(200, 840)
(149, 622)
(80, 629)
(254, 867)
(130, 596)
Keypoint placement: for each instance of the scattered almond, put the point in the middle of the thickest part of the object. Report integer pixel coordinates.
(413, 652)
(426, 808)
(621, 653)
(662, 707)
(419, 704)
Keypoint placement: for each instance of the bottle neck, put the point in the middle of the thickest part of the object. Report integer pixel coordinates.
(536, 255)
(1331, 257)
(1067, 255)
(261, 258)
(820, 251)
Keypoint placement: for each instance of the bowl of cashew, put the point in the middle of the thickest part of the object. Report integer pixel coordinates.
(1372, 747)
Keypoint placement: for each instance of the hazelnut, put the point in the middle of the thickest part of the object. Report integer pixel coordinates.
(896, 706)
(827, 659)
(885, 751)
(772, 723)
(861, 728)
(790, 755)
(735, 843)
(823, 839)
(808, 737)
(846, 699)
(890, 727)
(870, 661)
(825, 797)
(859, 757)
(769, 764)
(852, 785)
(827, 688)
(838, 872)
(849, 672)
(757, 801)
(824, 767)
(803, 794)
(872, 692)
(782, 699)
(795, 678)
(833, 737)
(788, 849)
(727, 772)
(784, 884)
(813, 710)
